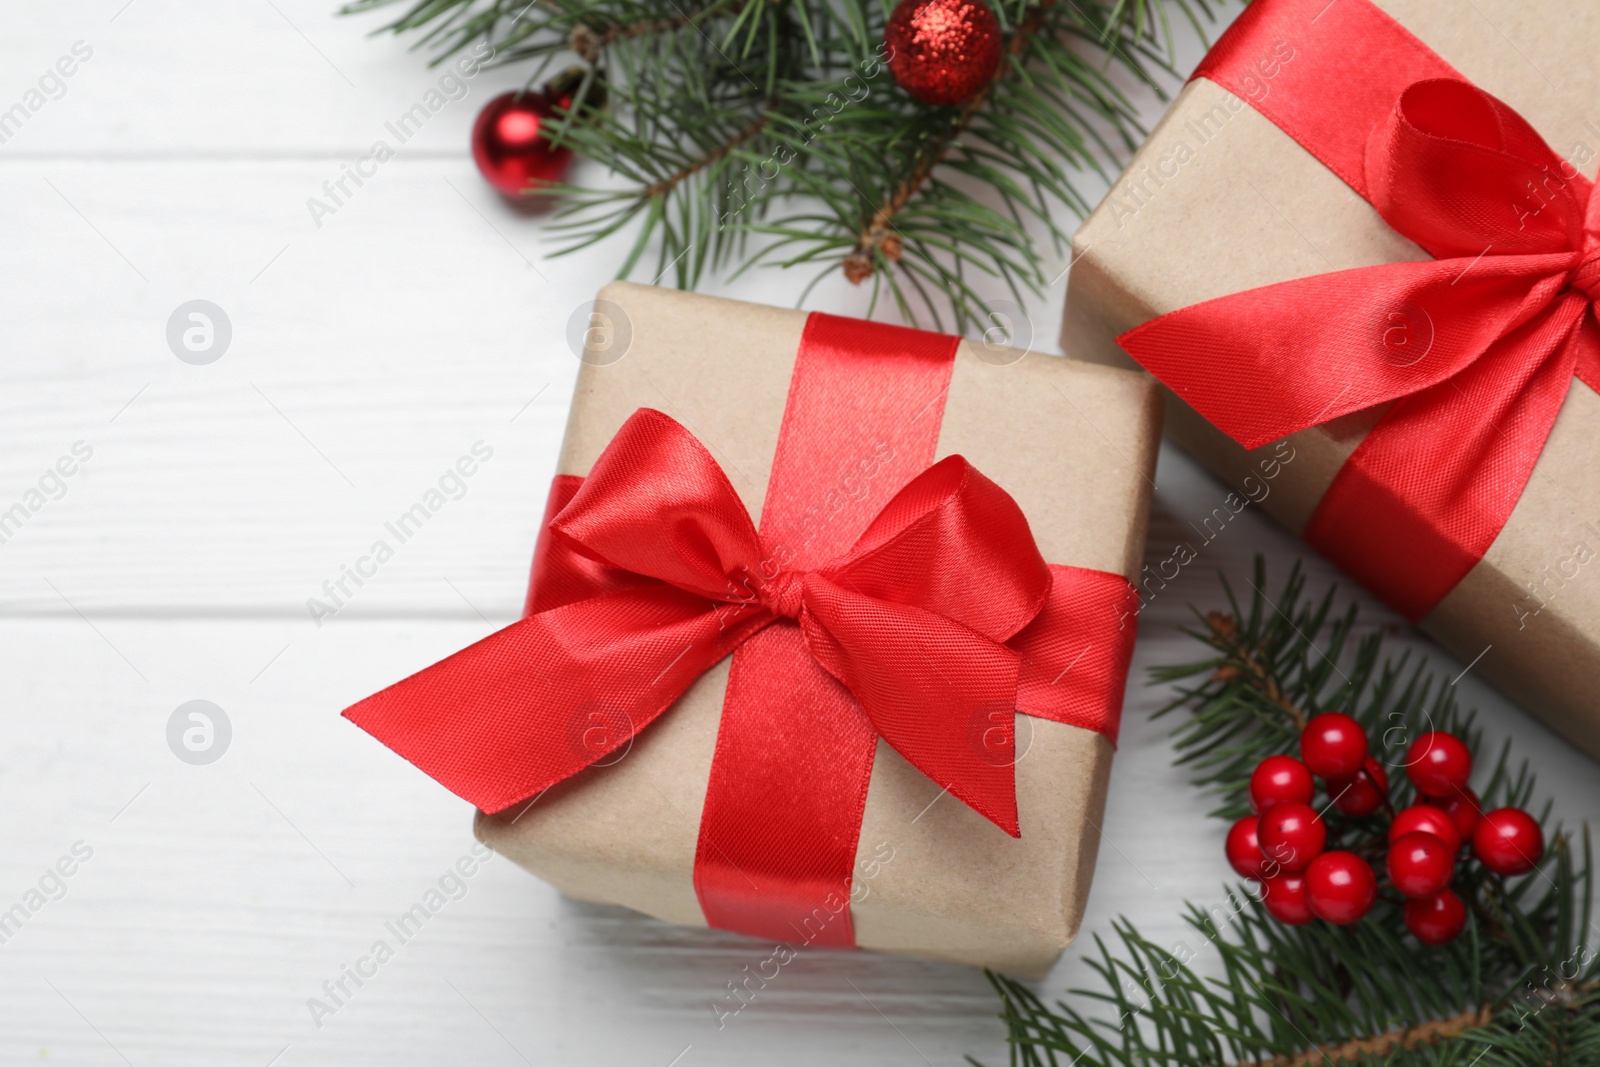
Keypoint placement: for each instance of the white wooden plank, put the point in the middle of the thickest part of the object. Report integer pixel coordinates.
(366, 357)
(216, 902)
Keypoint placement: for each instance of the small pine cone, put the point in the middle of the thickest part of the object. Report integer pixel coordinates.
(857, 267)
(890, 243)
(585, 42)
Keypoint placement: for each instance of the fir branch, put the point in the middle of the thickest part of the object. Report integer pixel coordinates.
(708, 159)
(875, 238)
(1225, 633)
(741, 135)
(589, 43)
(1519, 988)
(1409, 1039)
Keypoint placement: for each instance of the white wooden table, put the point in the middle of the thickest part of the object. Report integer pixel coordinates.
(175, 562)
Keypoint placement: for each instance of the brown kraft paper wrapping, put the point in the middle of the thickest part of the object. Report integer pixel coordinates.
(1075, 445)
(1219, 200)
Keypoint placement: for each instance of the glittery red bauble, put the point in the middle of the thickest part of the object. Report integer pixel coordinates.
(508, 148)
(943, 51)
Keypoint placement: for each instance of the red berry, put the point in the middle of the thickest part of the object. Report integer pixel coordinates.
(1363, 794)
(1244, 850)
(1279, 779)
(1463, 809)
(1340, 887)
(1436, 919)
(1507, 840)
(1284, 897)
(1421, 864)
(1291, 836)
(1425, 819)
(1333, 745)
(1438, 763)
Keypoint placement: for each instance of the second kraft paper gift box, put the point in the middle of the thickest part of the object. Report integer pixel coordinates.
(906, 751)
(1343, 231)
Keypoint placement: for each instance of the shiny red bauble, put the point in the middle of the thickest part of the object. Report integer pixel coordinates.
(1420, 864)
(1333, 745)
(1244, 849)
(1438, 764)
(943, 52)
(1463, 809)
(509, 146)
(1425, 819)
(1291, 836)
(1340, 887)
(1278, 779)
(1436, 919)
(1286, 899)
(1507, 841)
(1364, 793)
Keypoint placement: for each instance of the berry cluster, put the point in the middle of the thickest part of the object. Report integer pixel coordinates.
(1284, 845)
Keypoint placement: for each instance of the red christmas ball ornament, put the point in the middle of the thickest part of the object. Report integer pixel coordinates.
(1244, 848)
(943, 52)
(1340, 887)
(1438, 764)
(1363, 794)
(1507, 840)
(1333, 746)
(1425, 819)
(1463, 809)
(1291, 836)
(1286, 899)
(509, 146)
(1278, 779)
(1421, 864)
(1436, 919)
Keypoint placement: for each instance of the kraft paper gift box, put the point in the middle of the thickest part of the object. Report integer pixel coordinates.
(1220, 200)
(1073, 443)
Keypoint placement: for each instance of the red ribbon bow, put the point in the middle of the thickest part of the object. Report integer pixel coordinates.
(1475, 349)
(913, 620)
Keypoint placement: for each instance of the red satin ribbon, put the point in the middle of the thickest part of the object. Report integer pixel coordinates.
(912, 606)
(1474, 350)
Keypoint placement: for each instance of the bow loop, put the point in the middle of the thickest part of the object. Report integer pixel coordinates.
(957, 544)
(658, 504)
(1462, 174)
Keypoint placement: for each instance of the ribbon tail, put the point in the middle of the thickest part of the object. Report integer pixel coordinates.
(536, 702)
(1268, 362)
(943, 696)
(1428, 490)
